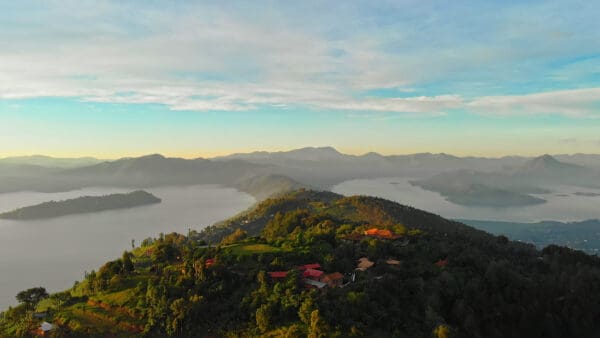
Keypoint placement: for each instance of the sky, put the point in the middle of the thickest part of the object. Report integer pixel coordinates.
(200, 79)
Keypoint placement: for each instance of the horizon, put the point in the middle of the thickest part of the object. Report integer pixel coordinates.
(471, 78)
(215, 156)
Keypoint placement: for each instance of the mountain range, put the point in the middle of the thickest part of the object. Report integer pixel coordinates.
(505, 181)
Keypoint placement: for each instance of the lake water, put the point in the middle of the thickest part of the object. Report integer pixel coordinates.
(561, 204)
(54, 253)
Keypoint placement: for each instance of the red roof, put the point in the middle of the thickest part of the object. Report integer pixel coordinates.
(209, 262)
(310, 266)
(278, 274)
(441, 263)
(312, 273)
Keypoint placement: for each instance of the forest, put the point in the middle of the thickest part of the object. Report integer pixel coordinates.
(265, 273)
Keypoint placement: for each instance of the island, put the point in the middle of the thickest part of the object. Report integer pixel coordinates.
(80, 205)
(586, 194)
(478, 195)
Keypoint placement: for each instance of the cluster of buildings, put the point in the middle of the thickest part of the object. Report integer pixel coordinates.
(313, 276)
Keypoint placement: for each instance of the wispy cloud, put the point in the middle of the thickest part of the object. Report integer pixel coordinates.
(242, 57)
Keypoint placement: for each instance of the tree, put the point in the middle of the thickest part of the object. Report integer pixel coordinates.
(31, 297)
(318, 327)
(127, 263)
(61, 298)
(263, 317)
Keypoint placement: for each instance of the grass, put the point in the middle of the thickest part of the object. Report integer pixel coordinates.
(251, 249)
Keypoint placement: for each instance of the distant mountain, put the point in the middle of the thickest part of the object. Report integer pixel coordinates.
(586, 160)
(487, 180)
(80, 205)
(510, 187)
(50, 162)
(302, 154)
(264, 186)
(547, 165)
(305, 264)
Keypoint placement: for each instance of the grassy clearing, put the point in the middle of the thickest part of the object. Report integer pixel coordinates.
(251, 249)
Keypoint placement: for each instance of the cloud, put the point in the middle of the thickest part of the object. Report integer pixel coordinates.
(574, 103)
(242, 57)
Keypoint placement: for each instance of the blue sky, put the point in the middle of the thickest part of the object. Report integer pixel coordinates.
(191, 79)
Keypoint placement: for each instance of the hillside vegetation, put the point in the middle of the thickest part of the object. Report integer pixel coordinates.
(420, 276)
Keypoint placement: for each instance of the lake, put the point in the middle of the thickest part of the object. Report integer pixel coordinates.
(54, 253)
(561, 204)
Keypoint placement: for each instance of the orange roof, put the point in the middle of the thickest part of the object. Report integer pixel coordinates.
(372, 231)
(333, 276)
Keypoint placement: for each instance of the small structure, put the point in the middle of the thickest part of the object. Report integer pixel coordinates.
(364, 263)
(44, 329)
(309, 266)
(381, 233)
(441, 263)
(314, 284)
(313, 274)
(333, 279)
(209, 262)
(278, 274)
(393, 262)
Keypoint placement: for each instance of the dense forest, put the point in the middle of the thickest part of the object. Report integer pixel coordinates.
(80, 205)
(316, 264)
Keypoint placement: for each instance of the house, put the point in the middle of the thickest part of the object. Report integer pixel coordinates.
(44, 329)
(381, 233)
(309, 266)
(393, 262)
(209, 262)
(314, 284)
(441, 263)
(333, 279)
(364, 263)
(313, 274)
(278, 274)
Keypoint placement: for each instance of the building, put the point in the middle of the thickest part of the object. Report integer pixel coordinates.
(309, 266)
(441, 263)
(278, 274)
(333, 279)
(381, 233)
(313, 274)
(44, 329)
(314, 284)
(364, 263)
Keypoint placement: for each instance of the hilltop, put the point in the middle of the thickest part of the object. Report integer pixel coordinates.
(320, 264)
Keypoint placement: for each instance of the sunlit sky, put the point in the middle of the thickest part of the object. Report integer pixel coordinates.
(188, 78)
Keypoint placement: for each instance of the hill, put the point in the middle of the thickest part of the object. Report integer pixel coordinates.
(50, 162)
(509, 187)
(80, 205)
(304, 264)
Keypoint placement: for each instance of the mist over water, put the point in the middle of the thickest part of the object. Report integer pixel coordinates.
(561, 205)
(54, 253)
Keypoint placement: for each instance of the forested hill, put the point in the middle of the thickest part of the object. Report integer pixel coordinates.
(319, 264)
(80, 205)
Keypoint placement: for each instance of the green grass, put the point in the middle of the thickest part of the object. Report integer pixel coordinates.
(251, 249)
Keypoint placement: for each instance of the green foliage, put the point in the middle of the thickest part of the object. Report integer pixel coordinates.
(31, 297)
(490, 287)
